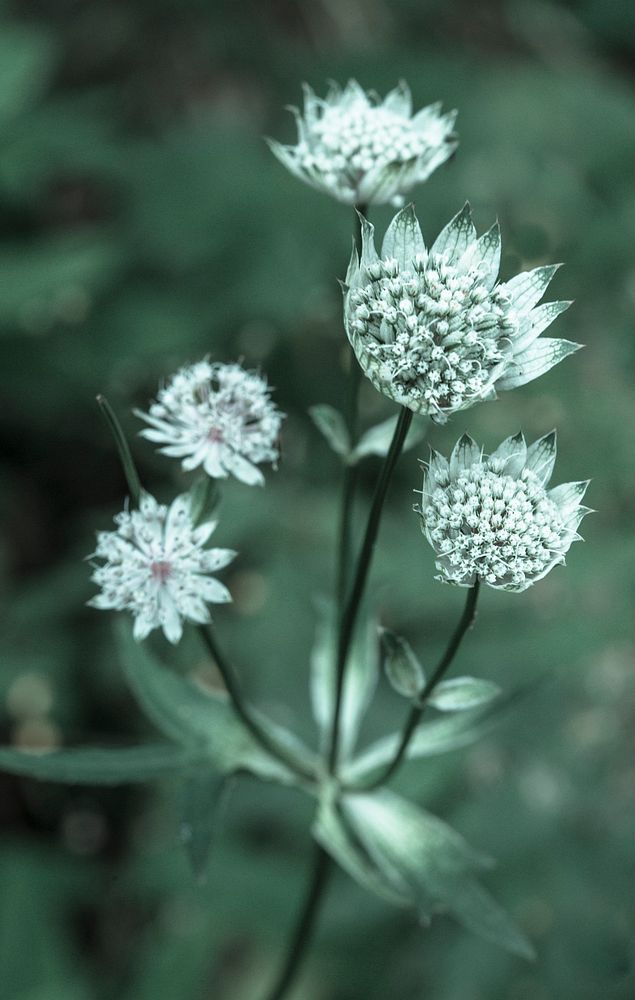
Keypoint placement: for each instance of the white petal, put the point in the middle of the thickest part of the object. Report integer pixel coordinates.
(535, 361)
(213, 590)
(534, 322)
(568, 495)
(541, 457)
(171, 619)
(218, 558)
(212, 464)
(487, 253)
(399, 100)
(454, 239)
(242, 469)
(527, 288)
(512, 452)
(142, 627)
(465, 453)
(403, 239)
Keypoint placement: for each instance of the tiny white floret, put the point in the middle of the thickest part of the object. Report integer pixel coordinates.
(156, 565)
(217, 416)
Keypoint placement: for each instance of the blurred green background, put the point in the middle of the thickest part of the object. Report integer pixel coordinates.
(144, 224)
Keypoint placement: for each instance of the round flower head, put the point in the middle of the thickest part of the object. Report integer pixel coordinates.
(493, 518)
(218, 416)
(156, 566)
(433, 330)
(363, 151)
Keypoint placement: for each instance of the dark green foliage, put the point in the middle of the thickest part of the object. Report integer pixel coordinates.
(144, 224)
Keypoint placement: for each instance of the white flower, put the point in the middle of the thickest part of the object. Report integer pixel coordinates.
(433, 330)
(156, 565)
(493, 518)
(363, 152)
(218, 416)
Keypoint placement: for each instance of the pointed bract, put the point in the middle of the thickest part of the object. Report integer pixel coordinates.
(455, 238)
(403, 239)
(490, 518)
(362, 150)
(432, 330)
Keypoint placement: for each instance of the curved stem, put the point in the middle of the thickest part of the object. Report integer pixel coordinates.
(123, 449)
(301, 936)
(351, 610)
(416, 712)
(244, 711)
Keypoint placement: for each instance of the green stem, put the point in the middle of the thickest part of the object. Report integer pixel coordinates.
(416, 712)
(244, 711)
(125, 455)
(302, 934)
(350, 472)
(351, 610)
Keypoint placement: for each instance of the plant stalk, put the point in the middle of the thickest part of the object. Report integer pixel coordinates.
(416, 712)
(349, 617)
(244, 711)
(350, 472)
(304, 928)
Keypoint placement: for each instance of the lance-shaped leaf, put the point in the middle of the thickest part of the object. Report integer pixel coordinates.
(195, 717)
(203, 795)
(462, 693)
(101, 765)
(332, 426)
(362, 671)
(376, 440)
(401, 665)
(434, 861)
(334, 833)
(527, 288)
(442, 735)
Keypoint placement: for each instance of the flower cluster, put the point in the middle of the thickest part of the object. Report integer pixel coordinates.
(431, 328)
(218, 416)
(156, 565)
(493, 518)
(362, 151)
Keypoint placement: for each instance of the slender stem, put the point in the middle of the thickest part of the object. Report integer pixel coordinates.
(351, 610)
(302, 933)
(244, 711)
(416, 712)
(350, 473)
(125, 455)
(348, 491)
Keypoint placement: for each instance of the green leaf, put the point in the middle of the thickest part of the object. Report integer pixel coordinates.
(462, 693)
(430, 739)
(99, 766)
(332, 426)
(204, 499)
(376, 440)
(335, 835)
(434, 862)
(402, 667)
(204, 794)
(195, 717)
(362, 672)
(26, 66)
